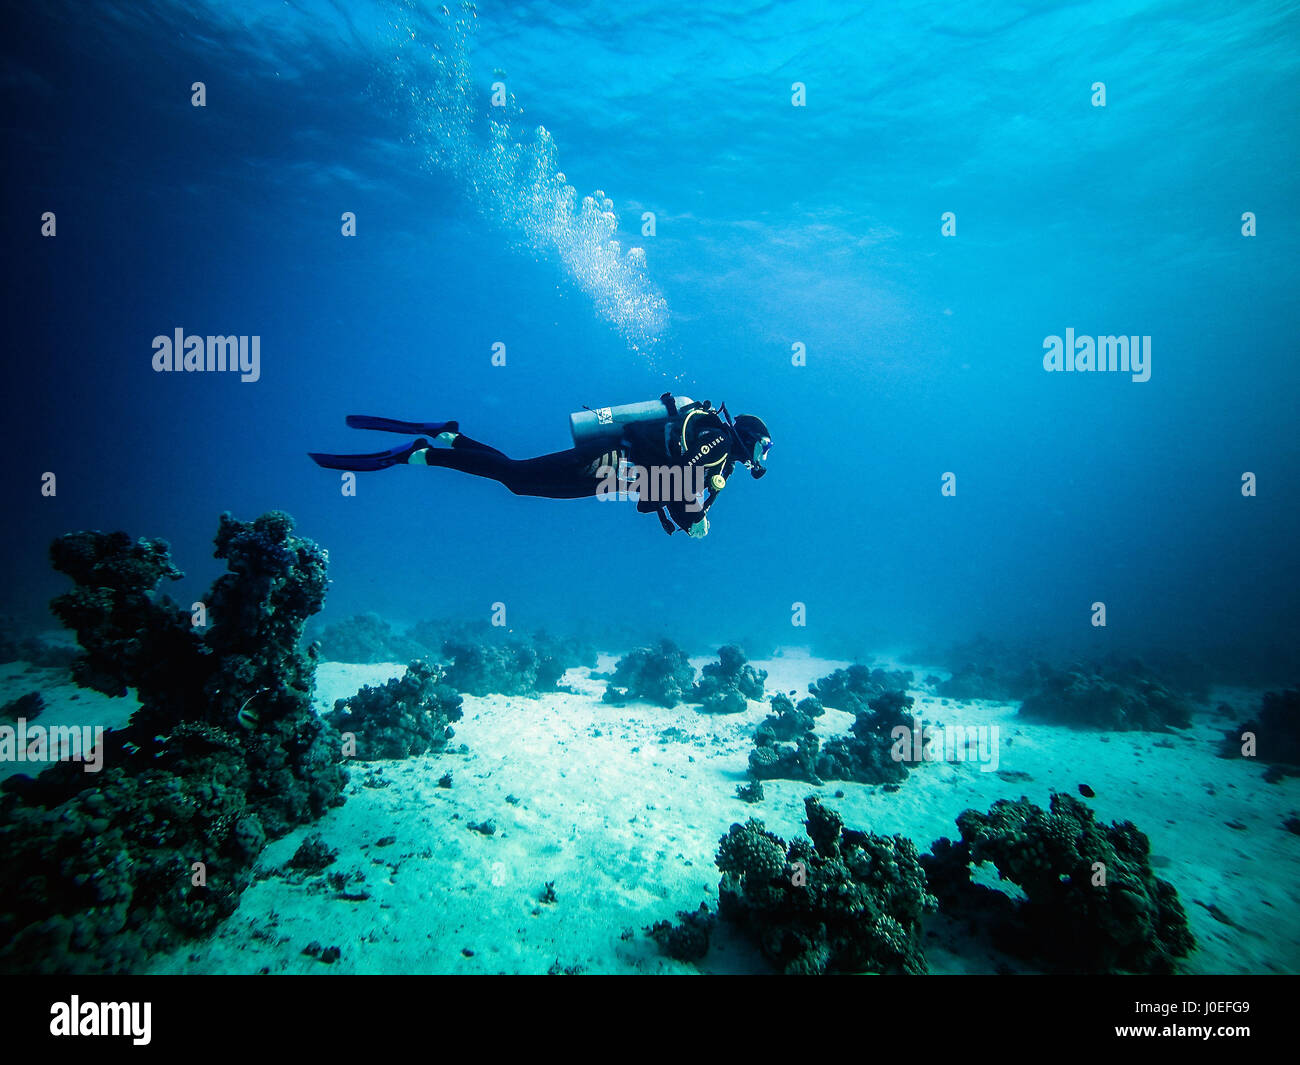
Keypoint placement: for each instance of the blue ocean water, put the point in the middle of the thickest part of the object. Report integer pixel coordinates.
(775, 225)
(870, 227)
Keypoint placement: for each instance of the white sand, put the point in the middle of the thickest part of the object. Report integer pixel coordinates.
(66, 704)
(626, 825)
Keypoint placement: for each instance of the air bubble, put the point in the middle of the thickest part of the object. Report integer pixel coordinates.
(517, 184)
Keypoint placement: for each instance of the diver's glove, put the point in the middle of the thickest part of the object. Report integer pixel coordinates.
(699, 530)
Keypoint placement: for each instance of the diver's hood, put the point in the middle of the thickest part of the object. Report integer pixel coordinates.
(752, 440)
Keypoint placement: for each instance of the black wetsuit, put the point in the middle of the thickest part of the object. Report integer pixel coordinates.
(584, 470)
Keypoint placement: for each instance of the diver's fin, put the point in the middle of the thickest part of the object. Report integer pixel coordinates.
(390, 425)
(379, 460)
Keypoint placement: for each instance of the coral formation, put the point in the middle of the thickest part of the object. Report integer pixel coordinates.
(688, 940)
(725, 685)
(770, 760)
(410, 715)
(1126, 698)
(480, 659)
(841, 901)
(991, 669)
(972, 680)
(1192, 677)
(1130, 921)
(96, 878)
(790, 721)
(27, 706)
(872, 752)
(313, 855)
(128, 638)
(661, 675)
(367, 638)
(1276, 727)
(516, 666)
(853, 688)
(984, 668)
(724, 701)
(797, 760)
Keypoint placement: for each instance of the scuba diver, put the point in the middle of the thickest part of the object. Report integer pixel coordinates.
(675, 454)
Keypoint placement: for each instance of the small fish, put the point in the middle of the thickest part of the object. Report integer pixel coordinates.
(247, 718)
(1087, 792)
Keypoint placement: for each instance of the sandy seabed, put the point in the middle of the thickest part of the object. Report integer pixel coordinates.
(621, 809)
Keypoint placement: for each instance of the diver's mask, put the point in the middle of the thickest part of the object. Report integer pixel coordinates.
(758, 460)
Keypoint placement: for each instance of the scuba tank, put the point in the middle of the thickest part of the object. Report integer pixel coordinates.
(591, 424)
